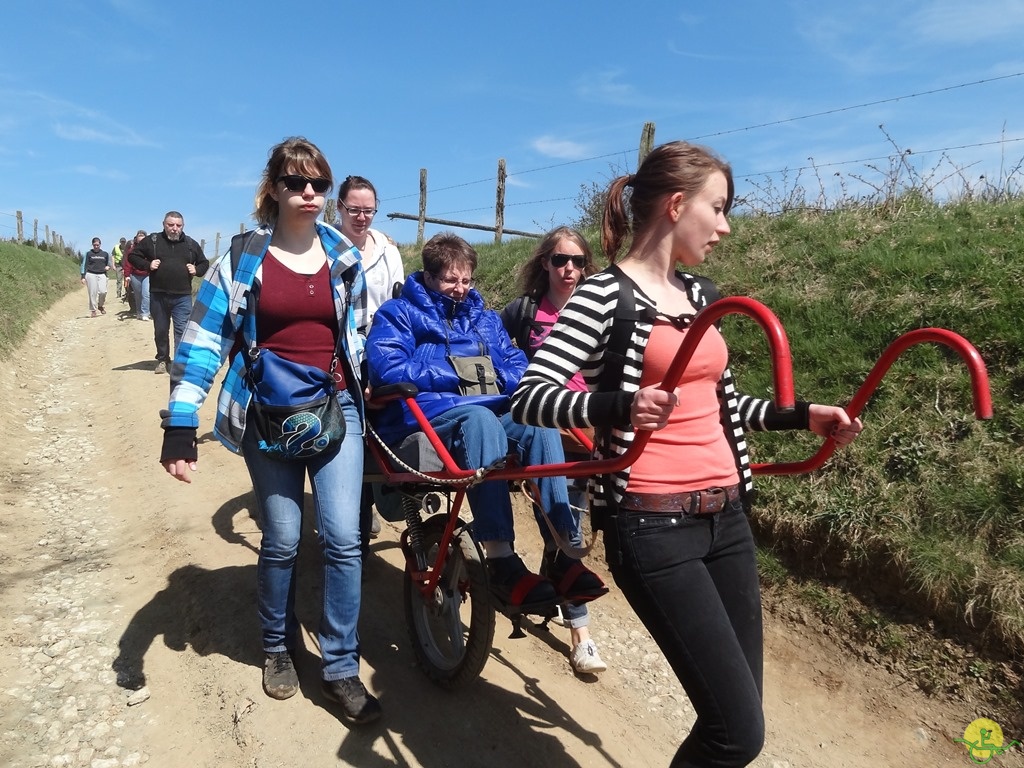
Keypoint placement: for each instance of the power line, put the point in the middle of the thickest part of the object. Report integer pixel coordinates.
(881, 157)
(836, 110)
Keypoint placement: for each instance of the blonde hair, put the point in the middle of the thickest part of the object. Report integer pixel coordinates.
(534, 279)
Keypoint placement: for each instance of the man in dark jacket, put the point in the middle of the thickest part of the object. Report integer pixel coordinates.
(439, 336)
(172, 259)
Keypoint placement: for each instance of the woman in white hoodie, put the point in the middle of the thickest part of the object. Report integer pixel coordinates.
(382, 265)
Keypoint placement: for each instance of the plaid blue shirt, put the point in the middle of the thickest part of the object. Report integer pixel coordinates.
(220, 313)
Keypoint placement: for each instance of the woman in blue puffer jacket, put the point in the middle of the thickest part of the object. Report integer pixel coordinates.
(439, 336)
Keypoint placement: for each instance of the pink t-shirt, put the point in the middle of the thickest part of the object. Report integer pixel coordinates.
(691, 453)
(544, 320)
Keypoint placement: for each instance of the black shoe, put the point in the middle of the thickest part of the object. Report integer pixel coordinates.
(279, 678)
(572, 579)
(513, 584)
(358, 704)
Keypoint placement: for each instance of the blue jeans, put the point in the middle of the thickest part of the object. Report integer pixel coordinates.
(476, 437)
(693, 583)
(140, 286)
(167, 307)
(336, 480)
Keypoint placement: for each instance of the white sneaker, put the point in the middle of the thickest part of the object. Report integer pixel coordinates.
(585, 659)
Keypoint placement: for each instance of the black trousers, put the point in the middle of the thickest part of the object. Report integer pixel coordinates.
(693, 583)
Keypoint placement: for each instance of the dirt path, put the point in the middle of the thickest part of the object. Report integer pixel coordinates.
(111, 571)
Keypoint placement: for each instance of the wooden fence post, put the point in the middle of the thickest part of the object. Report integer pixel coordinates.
(499, 205)
(646, 143)
(35, 232)
(216, 245)
(47, 241)
(423, 206)
(21, 227)
(331, 211)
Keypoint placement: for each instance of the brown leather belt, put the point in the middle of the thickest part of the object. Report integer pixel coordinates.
(710, 501)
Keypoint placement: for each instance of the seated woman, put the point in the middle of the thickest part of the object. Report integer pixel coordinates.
(435, 325)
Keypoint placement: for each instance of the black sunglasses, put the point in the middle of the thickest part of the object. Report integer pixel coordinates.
(559, 260)
(298, 183)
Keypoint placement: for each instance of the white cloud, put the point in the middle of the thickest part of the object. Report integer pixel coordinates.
(73, 122)
(967, 23)
(104, 173)
(119, 135)
(562, 149)
(606, 87)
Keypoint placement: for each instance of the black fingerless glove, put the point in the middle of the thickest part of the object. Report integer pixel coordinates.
(179, 443)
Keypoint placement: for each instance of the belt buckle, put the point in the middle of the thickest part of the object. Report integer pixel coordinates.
(712, 501)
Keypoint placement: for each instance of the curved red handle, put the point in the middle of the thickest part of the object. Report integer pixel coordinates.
(778, 346)
(971, 357)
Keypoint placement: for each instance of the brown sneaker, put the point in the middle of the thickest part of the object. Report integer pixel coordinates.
(357, 704)
(280, 680)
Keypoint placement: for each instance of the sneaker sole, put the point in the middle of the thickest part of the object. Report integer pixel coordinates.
(280, 692)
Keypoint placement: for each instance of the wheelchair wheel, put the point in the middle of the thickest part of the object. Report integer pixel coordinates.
(452, 629)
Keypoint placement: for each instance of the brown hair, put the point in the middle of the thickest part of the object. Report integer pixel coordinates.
(673, 167)
(295, 154)
(534, 279)
(445, 250)
(355, 182)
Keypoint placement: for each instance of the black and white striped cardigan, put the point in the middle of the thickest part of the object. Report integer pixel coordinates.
(579, 340)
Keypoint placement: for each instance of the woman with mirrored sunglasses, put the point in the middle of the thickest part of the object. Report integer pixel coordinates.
(559, 263)
(307, 285)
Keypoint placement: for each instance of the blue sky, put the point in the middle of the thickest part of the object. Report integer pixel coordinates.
(114, 111)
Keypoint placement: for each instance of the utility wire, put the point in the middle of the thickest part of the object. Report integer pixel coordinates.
(729, 131)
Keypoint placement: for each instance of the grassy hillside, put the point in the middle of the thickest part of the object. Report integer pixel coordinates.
(925, 509)
(30, 281)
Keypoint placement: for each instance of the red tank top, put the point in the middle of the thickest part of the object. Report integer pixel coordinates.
(295, 317)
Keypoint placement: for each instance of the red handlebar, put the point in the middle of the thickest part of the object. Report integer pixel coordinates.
(778, 346)
(970, 355)
(782, 372)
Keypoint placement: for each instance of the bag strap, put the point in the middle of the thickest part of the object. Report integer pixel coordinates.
(624, 321)
(526, 312)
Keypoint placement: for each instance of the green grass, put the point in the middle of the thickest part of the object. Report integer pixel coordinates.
(925, 509)
(927, 505)
(30, 282)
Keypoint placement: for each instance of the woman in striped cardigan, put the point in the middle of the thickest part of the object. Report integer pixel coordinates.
(677, 540)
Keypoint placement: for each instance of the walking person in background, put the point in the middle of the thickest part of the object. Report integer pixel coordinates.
(307, 285)
(95, 263)
(559, 262)
(677, 540)
(382, 264)
(172, 259)
(139, 278)
(118, 256)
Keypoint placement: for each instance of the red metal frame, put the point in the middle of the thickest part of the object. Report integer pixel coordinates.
(778, 345)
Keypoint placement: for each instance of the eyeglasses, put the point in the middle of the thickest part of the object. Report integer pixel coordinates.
(298, 183)
(451, 282)
(367, 212)
(559, 260)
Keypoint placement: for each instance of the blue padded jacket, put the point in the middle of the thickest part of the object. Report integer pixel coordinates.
(411, 339)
